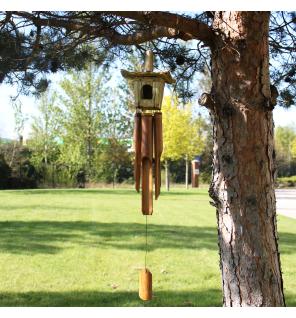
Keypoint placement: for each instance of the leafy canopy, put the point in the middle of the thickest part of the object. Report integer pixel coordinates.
(35, 44)
(182, 133)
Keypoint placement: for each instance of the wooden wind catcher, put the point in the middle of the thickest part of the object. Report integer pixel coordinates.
(147, 87)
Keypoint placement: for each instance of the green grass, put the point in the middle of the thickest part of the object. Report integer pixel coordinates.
(85, 248)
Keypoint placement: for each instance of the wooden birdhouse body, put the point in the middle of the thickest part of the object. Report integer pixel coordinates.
(147, 88)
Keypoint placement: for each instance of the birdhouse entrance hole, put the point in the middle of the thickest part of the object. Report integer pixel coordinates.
(147, 92)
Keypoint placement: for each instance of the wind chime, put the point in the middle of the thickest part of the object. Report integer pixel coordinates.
(147, 87)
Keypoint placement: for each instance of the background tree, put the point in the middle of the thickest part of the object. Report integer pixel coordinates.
(117, 117)
(114, 159)
(284, 138)
(19, 122)
(183, 134)
(43, 141)
(175, 131)
(195, 141)
(81, 101)
(293, 148)
(241, 101)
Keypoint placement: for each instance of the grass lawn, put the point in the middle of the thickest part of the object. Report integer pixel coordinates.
(85, 248)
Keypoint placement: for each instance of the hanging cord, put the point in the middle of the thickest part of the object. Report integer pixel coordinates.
(146, 242)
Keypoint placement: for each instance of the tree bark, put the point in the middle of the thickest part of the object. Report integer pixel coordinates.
(242, 186)
(186, 171)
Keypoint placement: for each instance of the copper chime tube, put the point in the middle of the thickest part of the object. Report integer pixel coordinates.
(145, 284)
(147, 157)
(137, 145)
(158, 148)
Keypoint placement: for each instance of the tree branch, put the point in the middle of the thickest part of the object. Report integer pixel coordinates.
(160, 24)
(188, 28)
(206, 101)
(136, 37)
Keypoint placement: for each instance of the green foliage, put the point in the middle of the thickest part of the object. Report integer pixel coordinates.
(284, 144)
(77, 127)
(183, 134)
(19, 172)
(117, 117)
(5, 172)
(114, 161)
(34, 44)
(43, 140)
(293, 148)
(284, 182)
(81, 102)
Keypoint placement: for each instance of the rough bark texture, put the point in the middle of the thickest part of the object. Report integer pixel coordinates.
(242, 187)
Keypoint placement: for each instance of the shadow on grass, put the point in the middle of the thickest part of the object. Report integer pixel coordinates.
(32, 237)
(290, 300)
(205, 298)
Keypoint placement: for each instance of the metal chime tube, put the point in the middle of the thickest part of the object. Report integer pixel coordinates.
(147, 157)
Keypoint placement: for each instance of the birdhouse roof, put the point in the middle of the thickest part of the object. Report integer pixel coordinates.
(166, 76)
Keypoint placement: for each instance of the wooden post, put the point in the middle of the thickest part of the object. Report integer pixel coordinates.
(195, 173)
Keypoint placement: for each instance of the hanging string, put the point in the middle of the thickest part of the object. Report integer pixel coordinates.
(146, 242)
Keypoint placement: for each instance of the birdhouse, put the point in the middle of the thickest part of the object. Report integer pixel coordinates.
(147, 86)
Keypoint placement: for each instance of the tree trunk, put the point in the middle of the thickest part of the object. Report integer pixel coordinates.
(53, 175)
(242, 186)
(167, 175)
(186, 171)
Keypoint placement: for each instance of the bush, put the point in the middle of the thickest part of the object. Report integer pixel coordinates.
(21, 173)
(206, 177)
(5, 172)
(286, 182)
(21, 183)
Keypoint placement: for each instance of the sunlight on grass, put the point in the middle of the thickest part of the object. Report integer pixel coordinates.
(85, 248)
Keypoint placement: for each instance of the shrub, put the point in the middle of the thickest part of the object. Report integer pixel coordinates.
(5, 172)
(286, 182)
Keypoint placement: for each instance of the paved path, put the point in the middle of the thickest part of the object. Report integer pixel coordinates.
(286, 202)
